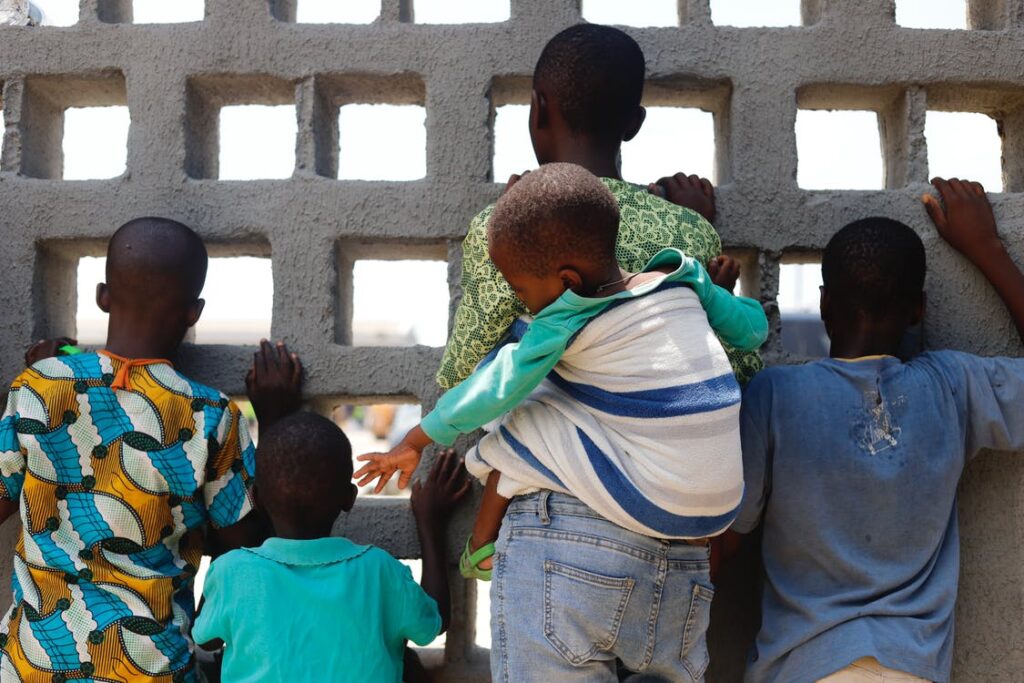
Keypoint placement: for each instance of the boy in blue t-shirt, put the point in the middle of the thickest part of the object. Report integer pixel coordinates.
(306, 606)
(852, 463)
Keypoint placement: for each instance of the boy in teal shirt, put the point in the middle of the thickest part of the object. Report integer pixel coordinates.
(306, 606)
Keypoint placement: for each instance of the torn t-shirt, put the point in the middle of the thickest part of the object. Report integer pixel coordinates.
(853, 466)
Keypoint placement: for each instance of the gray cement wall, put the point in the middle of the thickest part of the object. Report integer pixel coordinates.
(174, 78)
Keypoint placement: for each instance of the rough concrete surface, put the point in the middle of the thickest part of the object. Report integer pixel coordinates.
(174, 78)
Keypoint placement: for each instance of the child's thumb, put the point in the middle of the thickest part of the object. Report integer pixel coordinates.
(934, 209)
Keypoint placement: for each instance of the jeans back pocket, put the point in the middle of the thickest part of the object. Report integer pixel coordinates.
(695, 637)
(582, 610)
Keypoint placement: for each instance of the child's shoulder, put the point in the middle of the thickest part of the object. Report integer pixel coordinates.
(171, 379)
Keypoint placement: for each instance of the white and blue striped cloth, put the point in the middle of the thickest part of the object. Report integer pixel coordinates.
(639, 420)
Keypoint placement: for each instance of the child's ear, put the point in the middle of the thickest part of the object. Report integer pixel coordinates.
(570, 278)
(539, 115)
(195, 311)
(634, 124)
(353, 493)
(918, 314)
(103, 297)
(825, 306)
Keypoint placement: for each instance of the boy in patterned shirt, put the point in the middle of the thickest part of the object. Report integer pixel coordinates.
(120, 467)
(585, 103)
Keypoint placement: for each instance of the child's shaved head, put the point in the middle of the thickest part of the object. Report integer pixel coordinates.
(874, 266)
(151, 260)
(304, 466)
(597, 75)
(555, 213)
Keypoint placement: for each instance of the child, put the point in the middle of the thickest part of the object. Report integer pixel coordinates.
(852, 463)
(552, 236)
(585, 102)
(306, 606)
(121, 467)
(622, 399)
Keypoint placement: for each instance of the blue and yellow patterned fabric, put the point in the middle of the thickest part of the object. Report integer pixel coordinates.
(118, 466)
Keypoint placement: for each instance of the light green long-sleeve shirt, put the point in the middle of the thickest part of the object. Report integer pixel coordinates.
(518, 368)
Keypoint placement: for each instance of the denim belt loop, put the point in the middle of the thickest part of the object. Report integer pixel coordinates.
(542, 508)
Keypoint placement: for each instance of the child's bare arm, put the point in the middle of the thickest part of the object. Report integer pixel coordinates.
(965, 220)
(691, 192)
(432, 506)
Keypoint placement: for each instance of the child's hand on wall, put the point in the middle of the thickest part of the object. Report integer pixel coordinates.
(434, 499)
(691, 192)
(964, 217)
(274, 383)
(46, 348)
(724, 272)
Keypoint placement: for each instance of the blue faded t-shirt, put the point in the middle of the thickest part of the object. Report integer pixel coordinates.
(853, 467)
(314, 610)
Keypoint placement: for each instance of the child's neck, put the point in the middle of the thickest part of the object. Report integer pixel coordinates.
(300, 533)
(599, 160)
(137, 342)
(860, 343)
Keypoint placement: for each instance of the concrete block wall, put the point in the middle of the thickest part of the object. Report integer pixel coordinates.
(174, 78)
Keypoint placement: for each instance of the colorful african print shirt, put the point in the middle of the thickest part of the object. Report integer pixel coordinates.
(488, 307)
(118, 465)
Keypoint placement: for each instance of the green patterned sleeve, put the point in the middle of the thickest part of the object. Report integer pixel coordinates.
(487, 309)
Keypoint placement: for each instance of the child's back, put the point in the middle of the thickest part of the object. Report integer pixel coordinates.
(342, 612)
(117, 486)
(306, 606)
(118, 465)
(639, 419)
(853, 464)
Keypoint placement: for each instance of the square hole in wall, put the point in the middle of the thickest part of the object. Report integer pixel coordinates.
(164, 12)
(744, 13)
(618, 13)
(948, 14)
(838, 150)
(460, 11)
(803, 333)
(335, 12)
(79, 126)
(964, 145)
(513, 150)
(95, 143)
(54, 12)
(392, 295)
(370, 127)
(672, 139)
(239, 295)
(240, 127)
(382, 142)
(257, 142)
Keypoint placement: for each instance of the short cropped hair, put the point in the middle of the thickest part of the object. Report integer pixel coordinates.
(303, 465)
(597, 75)
(558, 211)
(155, 258)
(874, 266)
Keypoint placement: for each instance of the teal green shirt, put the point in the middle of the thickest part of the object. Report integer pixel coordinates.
(518, 368)
(316, 610)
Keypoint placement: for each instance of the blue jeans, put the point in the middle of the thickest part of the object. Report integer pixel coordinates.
(572, 592)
